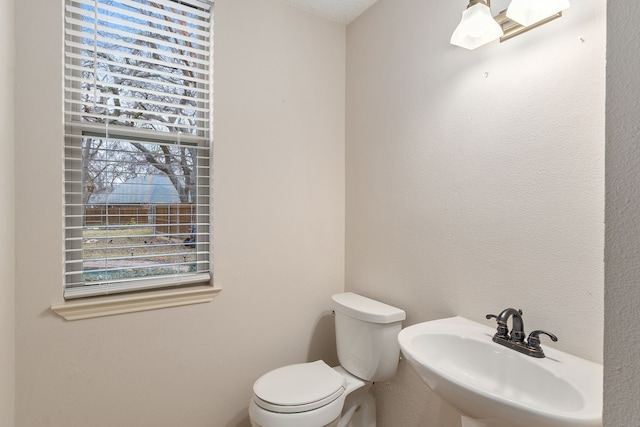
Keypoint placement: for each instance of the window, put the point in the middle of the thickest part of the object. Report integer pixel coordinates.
(137, 145)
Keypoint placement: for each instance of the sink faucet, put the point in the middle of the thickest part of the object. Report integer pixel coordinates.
(517, 332)
(515, 340)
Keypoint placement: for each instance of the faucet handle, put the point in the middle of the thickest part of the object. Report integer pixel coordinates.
(503, 330)
(533, 341)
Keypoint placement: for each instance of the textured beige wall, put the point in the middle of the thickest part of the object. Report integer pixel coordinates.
(7, 220)
(622, 254)
(475, 179)
(278, 226)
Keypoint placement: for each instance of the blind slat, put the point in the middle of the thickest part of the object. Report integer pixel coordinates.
(194, 55)
(106, 19)
(154, 44)
(177, 20)
(129, 134)
(205, 5)
(201, 7)
(152, 123)
(78, 290)
(201, 91)
(148, 74)
(152, 116)
(124, 59)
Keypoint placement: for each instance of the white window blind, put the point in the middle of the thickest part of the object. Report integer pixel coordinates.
(137, 145)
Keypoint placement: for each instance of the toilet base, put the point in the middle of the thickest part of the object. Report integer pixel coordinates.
(333, 424)
(359, 409)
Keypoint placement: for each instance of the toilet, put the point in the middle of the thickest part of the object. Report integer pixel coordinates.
(316, 395)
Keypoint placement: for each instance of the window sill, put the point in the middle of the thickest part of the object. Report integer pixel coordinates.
(120, 304)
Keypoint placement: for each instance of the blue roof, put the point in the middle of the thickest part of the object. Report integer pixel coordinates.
(145, 189)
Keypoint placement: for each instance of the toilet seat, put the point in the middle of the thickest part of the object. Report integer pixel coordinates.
(298, 388)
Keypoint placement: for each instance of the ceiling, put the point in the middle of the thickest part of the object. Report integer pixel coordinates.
(342, 11)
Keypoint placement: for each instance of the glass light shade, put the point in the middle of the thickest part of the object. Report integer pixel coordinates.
(476, 28)
(527, 12)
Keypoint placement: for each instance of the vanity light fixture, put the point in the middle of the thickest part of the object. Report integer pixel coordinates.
(528, 12)
(478, 27)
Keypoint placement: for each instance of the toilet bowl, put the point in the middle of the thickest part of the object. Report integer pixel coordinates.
(302, 395)
(314, 394)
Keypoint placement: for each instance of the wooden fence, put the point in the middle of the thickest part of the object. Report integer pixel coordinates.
(172, 219)
(116, 215)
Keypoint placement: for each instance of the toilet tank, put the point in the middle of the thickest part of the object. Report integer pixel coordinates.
(367, 336)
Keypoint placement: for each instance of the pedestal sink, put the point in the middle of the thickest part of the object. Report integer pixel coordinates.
(494, 386)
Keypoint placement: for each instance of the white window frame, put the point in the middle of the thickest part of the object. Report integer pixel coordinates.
(148, 293)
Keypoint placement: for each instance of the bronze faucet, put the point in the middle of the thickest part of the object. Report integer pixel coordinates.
(515, 340)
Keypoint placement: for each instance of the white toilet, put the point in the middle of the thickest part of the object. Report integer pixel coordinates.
(314, 394)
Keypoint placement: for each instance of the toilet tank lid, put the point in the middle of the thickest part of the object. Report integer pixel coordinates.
(366, 309)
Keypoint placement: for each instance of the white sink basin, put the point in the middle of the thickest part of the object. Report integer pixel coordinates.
(492, 385)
